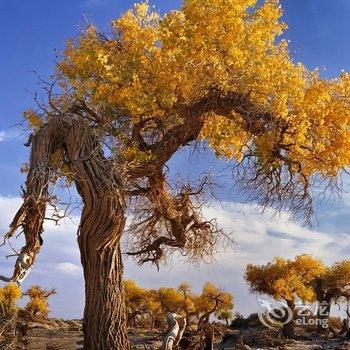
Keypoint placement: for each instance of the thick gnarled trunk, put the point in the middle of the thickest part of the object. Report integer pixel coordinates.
(101, 228)
(104, 315)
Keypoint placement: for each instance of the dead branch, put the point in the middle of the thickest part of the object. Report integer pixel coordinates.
(167, 221)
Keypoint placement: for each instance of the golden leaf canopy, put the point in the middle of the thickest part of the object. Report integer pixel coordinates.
(151, 64)
(285, 279)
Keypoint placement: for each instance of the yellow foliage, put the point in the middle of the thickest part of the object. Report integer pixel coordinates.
(153, 63)
(134, 295)
(170, 299)
(213, 300)
(36, 291)
(38, 306)
(140, 301)
(152, 303)
(284, 279)
(226, 315)
(33, 119)
(11, 292)
(337, 277)
(182, 300)
(9, 295)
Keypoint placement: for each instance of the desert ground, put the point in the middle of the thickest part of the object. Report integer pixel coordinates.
(67, 335)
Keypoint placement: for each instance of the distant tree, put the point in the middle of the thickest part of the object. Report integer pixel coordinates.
(226, 315)
(153, 308)
(284, 280)
(188, 307)
(331, 287)
(37, 308)
(171, 300)
(212, 300)
(38, 305)
(185, 289)
(148, 303)
(135, 300)
(156, 303)
(9, 295)
(213, 72)
(180, 300)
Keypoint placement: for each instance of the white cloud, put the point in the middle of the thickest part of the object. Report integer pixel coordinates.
(69, 268)
(260, 236)
(11, 134)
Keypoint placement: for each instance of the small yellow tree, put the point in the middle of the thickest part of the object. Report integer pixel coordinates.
(185, 289)
(284, 279)
(141, 302)
(213, 300)
(155, 304)
(226, 315)
(9, 296)
(188, 305)
(135, 300)
(38, 305)
(153, 308)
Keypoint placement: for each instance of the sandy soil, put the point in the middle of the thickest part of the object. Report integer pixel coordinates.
(67, 335)
(50, 339)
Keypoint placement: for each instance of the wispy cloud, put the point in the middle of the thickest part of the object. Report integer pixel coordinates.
(9, 135)
(69, 268)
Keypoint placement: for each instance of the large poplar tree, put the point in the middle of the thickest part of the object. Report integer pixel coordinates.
(215, 71)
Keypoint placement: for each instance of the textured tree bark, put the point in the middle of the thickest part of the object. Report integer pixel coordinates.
(209, 337)
(31, 214)
(104, 315)
(101, 228)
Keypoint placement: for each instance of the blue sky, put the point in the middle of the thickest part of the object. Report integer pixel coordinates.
(31, 34)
